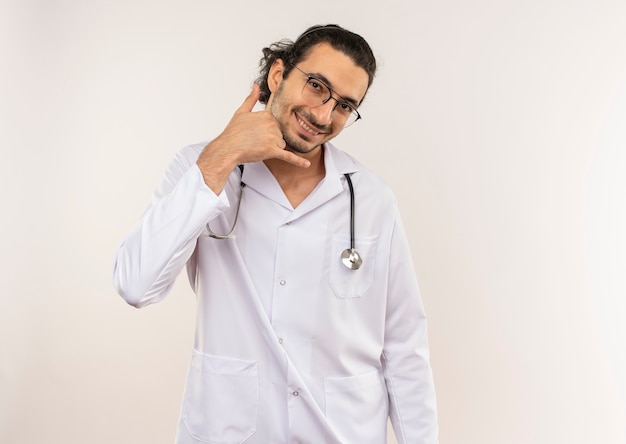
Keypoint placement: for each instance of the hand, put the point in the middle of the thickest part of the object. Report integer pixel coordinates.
(248, 137)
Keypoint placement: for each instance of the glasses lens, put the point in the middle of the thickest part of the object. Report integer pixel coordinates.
(353, 117)
(316, 93)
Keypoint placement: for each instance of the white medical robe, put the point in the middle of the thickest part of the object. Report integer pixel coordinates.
(291, 346)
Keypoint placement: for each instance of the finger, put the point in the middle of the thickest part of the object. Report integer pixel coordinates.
(293, 159)
(248, 104)
(281, 143)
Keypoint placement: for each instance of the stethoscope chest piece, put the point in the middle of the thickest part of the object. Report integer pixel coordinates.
(351, 258)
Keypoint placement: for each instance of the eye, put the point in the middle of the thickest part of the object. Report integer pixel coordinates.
(315, 86)
(344, 108)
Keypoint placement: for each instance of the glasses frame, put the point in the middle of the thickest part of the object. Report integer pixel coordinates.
(332, 95)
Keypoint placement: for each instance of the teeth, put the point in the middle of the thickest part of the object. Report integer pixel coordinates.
(307, 127)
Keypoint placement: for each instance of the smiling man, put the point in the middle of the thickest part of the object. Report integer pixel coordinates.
(310, 325)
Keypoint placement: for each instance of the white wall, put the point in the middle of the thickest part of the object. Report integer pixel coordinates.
(500, 124)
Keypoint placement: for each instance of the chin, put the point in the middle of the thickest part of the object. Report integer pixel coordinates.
(300, 146)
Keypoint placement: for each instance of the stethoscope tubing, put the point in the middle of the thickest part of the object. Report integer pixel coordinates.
(347, 176)
(349, 257)
(230, 233)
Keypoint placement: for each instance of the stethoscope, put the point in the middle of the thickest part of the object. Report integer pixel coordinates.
(349, 257)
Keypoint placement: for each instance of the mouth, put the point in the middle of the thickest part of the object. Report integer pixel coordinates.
(308, 129)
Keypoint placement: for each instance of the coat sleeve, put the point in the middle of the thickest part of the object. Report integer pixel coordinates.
(408, 374)
(153, 254)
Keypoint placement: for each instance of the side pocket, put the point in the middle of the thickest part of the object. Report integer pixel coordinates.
(221, 399)
(348, 283)
(357, 407)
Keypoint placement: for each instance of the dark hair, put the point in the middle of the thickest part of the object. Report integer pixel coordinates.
(351, 44)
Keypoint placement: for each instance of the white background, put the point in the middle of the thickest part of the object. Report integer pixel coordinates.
(500, 124)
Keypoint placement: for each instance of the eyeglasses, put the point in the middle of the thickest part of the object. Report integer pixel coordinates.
(315, 92)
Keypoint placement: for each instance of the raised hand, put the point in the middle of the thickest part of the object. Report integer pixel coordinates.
(248, 137)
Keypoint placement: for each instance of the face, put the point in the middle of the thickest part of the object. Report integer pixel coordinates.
(305, 127)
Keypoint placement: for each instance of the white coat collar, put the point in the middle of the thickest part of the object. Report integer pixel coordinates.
(337, 163)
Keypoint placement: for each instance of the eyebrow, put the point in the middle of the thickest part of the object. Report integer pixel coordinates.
(322, 77)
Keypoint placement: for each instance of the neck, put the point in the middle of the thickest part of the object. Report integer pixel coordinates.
(286, 171)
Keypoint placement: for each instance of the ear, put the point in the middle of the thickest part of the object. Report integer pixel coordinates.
(275, 76)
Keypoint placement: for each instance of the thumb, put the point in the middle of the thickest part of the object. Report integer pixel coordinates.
(248, 104)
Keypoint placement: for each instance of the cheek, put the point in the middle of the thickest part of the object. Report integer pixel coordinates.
(278, 99)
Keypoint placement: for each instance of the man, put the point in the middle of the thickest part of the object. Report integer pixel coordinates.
(310, 326)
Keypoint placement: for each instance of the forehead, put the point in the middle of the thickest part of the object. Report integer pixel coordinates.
(344, 76)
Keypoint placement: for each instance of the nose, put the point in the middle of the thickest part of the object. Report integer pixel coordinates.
(323, 113)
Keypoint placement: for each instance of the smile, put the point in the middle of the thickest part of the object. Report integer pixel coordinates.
(306, 127)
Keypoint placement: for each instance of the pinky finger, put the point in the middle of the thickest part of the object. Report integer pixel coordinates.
(293, 159)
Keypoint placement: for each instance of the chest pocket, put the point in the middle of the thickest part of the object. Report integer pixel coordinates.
(348, 283)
